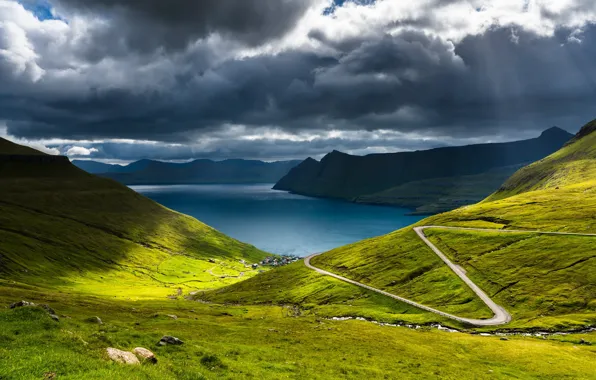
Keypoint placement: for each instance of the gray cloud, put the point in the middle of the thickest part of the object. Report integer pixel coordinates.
(147, 25)
(501, 81)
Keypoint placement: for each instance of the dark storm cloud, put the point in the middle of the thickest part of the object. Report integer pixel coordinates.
(150, 24)
(158, 79)
(406, 82)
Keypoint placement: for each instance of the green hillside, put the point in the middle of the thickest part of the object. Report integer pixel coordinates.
(544, 281)
(574, 164)
(9, 148)
(437, 195)
(62, 227)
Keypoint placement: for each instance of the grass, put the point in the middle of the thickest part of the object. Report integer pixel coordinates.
(318, 295)
(528, 273)
(571, 165)
(264, 342)
(97, 236)
(437, 195)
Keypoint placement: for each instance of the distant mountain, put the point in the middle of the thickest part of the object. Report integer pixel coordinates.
(381, 178)
(148, 172)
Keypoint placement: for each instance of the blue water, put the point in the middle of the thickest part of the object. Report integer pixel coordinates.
(277, 221)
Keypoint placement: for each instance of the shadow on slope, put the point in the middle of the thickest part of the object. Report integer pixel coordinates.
(59, 224)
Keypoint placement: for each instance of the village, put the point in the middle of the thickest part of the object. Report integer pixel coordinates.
(277, 261)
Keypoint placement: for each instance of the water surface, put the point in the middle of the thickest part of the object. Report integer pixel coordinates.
(277, 221)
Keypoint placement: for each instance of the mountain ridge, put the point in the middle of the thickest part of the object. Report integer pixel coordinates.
(199, 171)
(354, 178)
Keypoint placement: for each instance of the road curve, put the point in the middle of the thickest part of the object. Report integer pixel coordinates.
(501, 316)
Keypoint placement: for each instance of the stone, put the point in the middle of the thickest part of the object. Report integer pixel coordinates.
(55, 317)
(503, 338)
(170, 340)
(120, 356)
(173, 316)
(47, 308)
(21, 304)
(145, 355)
(95, 320)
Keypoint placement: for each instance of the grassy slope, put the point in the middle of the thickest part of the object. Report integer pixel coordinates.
(442, 194)
(529, 273)
(62, 227)
(9, 148)
(262, 342)
(400, 263)
(573, 164)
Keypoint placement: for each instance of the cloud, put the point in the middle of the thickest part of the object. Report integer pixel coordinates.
(35, 144)
(152, 24)
(80, 151)
(174, 80)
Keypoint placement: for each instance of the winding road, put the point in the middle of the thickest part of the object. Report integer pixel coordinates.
(501, 316)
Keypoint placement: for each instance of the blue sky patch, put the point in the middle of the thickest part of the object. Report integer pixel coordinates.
(339, 3)
(42, 9)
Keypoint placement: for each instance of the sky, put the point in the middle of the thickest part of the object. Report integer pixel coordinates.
(120, 80)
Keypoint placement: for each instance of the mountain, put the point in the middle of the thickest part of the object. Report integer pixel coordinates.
(546, 282)
(376, 178)
(436, 195)
(61, 226)
(148, 172)
(574, 163)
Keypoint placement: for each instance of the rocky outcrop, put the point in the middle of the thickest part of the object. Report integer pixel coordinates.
(45, 307)
(21, 304)
(120, 356)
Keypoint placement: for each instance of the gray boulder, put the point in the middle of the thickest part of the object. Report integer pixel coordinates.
(95, 320)
(170, 340)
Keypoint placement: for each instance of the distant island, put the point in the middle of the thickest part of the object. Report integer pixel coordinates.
(150, 172)
(429, 181)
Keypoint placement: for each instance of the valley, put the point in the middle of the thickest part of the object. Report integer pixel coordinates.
(150, 272)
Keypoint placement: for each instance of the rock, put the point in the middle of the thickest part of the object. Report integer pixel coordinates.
(145, 355)
(169, 340)
(21, 304)
(47, 308)
(49, 376)
(95, 320)
(503, 338)
(55, 317)
(173, 316)
(120, 356)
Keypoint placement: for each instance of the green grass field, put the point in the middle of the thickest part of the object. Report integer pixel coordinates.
(259, 342)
